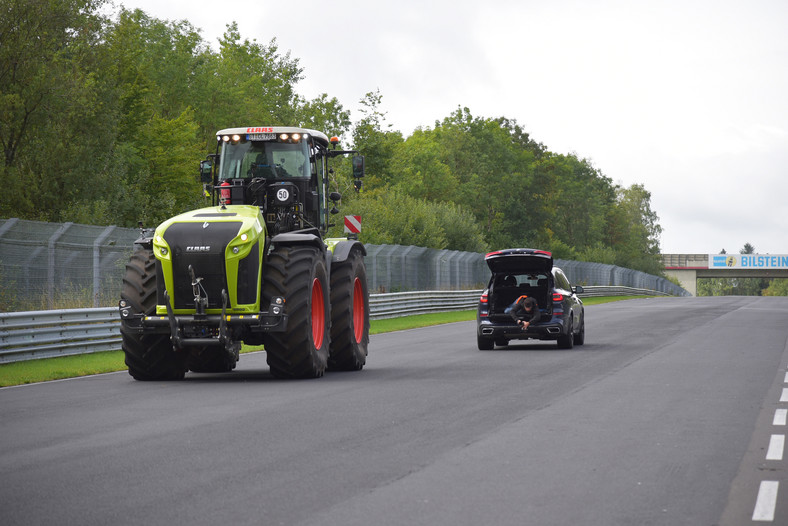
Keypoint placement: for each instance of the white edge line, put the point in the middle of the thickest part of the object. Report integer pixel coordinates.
(63, 379)
(776, 447)
(766, 501)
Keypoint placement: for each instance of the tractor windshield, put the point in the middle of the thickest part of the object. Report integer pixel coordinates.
(267, 159)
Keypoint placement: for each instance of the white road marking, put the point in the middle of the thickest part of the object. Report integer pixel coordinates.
(784, 396)
(776, 447)
(780, 417)
(786, 377)
(766, 502)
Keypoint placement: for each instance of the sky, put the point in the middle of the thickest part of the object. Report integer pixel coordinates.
(687, 98)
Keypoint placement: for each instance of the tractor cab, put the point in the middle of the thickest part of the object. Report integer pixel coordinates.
(281, 170)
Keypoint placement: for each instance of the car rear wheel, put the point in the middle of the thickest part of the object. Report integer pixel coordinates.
(580, 337)
(566, 341)
(485, 344)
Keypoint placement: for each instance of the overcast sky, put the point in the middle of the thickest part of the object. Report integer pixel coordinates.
(688, 98)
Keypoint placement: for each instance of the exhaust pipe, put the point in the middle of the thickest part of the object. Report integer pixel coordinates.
(553, 330)
(487, 331)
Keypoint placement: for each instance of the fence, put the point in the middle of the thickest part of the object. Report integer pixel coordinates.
(52, 265)
(51, 333)
(44, 264)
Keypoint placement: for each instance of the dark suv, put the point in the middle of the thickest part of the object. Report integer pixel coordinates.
(527, 272)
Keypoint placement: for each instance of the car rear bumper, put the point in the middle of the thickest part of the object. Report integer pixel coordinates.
(496, 330)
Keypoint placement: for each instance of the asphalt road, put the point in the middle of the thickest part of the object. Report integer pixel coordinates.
(665, 417)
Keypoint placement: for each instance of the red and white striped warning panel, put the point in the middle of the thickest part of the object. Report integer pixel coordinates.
(352, 224)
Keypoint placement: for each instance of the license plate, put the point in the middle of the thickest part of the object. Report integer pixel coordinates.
(261, 137)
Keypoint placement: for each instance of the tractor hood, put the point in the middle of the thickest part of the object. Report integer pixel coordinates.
(245, 219)
(220, 245)
(518, 260)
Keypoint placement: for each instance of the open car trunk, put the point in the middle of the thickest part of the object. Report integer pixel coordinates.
(519, 272)
(506, 288)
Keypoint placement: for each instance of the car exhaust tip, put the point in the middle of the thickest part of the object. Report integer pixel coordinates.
(487, 331)
(553, 330)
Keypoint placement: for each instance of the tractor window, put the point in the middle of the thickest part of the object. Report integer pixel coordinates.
(270, 160)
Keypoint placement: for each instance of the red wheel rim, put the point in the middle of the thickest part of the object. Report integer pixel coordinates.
(358, 310)
(318, 313)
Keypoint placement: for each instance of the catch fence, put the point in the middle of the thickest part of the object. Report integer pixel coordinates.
(68, 265)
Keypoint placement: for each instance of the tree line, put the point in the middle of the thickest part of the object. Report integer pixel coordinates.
(104, 118)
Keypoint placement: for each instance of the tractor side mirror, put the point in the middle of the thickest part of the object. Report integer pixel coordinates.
(358, 166)
(205, 171)
(334, 197)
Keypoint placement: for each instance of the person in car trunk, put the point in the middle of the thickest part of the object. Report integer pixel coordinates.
(525, 311)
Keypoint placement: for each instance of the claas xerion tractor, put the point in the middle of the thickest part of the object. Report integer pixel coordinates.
(255, 267)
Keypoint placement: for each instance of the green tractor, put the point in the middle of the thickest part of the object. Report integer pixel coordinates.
(255, 267)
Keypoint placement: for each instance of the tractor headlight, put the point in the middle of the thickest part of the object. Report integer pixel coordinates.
(241, 244)
(277, 305)
(160, 247)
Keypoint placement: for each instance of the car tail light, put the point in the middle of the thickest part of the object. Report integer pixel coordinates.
(483, 299)
(558, 297)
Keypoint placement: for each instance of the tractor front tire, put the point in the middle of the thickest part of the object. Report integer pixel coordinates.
(148, 356)
(349, 314)
(298, 273)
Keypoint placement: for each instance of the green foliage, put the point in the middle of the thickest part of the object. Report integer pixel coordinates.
(393, 218)
(600, 254)
(377, 144)
(634, 230)
(104, 121)
(777, 287)
(732, 286)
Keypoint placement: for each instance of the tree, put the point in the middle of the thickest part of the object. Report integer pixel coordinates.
(44, 44)
(373, 138)
(394, 218)
(51, 94)
(324, 114)
(634, 230)
(777, 287)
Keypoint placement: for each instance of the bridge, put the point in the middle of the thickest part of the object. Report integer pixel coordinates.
(687, 268)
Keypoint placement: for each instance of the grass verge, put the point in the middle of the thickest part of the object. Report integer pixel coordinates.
(32, 371)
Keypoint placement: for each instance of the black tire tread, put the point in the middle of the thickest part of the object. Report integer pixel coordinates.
(346, 354)
(566, 341)
(288, 272)
(148, 356)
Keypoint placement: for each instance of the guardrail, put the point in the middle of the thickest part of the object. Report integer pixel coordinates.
(51, 333)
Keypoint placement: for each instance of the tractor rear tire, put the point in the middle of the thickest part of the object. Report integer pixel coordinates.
(298, 273)
(349, 314)
(148, 356)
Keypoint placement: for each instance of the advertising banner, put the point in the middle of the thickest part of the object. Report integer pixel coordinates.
(748, 261)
